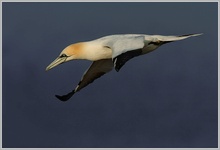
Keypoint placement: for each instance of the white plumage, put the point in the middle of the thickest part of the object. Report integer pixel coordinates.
(108, 52)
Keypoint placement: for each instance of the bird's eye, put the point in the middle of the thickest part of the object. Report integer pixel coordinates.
(63, 55)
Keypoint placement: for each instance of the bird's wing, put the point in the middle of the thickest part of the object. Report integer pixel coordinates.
(124, 48)
(96, 70)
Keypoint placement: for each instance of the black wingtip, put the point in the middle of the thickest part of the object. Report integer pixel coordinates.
(61, 98)
(117, 69)
(118, 65)
(120, 60)
(65, 97)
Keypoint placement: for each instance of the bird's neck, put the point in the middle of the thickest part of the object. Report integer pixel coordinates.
(94, 51)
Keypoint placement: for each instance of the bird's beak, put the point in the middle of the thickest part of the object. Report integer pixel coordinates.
(56, 62)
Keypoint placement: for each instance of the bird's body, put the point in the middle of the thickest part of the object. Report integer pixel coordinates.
(108, 52)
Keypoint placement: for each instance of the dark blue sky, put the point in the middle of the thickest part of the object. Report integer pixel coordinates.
(167, 98)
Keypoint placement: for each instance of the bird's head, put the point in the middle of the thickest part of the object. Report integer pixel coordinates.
(71, 52)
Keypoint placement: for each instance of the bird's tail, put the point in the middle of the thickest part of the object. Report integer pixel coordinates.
(174, 38)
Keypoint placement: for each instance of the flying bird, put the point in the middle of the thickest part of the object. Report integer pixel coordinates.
(110, 52)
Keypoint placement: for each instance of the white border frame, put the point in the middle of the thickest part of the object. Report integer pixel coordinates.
(104, 1)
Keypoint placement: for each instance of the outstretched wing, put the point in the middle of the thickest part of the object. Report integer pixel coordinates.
(96, 70)
(124, 48)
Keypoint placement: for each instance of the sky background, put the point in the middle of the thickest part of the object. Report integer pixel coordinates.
(165, 99)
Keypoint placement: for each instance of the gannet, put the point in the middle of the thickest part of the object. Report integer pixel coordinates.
(109, 52)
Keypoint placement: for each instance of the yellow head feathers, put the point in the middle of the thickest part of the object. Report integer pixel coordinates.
(73, 51)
